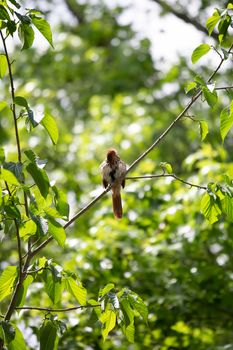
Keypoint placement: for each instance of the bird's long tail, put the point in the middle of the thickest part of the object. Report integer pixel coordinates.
(116, 204)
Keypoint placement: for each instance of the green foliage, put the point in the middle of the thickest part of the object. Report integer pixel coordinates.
(7, 280)
(164, 271)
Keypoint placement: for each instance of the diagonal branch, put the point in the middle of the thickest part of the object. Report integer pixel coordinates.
(166, 175)
(184, 17)
(57, 310)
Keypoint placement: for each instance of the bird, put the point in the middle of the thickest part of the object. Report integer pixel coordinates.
(113, 171)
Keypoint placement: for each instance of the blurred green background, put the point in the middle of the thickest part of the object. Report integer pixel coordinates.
(105, 88)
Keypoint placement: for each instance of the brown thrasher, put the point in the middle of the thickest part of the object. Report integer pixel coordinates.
(113, 170)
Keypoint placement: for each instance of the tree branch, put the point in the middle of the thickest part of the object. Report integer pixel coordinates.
(56, 310)
(166, 175)
(184, 17)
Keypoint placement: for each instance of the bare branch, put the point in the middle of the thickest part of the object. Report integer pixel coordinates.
(166, 175)
(56, 310)
(184, 16)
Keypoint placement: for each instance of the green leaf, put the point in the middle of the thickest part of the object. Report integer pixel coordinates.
(227, 205)
(127, 311)
(20, 101)
(44, 27)
(28, 228)
(200, 51)
(53, 287)
(30, 120)
(223, 27)
(16, 169)
(34, 158)
(24, 19)
(4, 15)
(198, 79)
(48, 336)
(212, 21)
(18, 342)
(15, 3)
(210, 208)
(137, 303)
(9, 177)
(226, 122)
(8, 330)
(211, 97)
(50, 125)
(12, 211)
(61, 202)
(23, 291)
(7, 280)
(108, 318)
(77, 290)
(57, 231)
(168, 168)
(3, 65)
(204, 129)
(106, 289)
(129, 332)
(190, 86)
(40, 177)
(26, 35)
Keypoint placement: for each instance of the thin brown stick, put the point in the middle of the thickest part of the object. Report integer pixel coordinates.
(56, 310)
(166, 175)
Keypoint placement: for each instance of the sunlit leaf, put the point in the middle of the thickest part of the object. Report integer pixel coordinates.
(76, 289)
(200, 51)
(190, 86)
(7, 280)
(210, 208)
(211, 97)
(226, 122)
(212, 21)
(106, 289)
(8, 176)
(50, 125)
(40, 177)
(3, 65)
(20, 101)
(204, 129)
(44, 27)
(57, 231)
(108, 318)
(28, 228)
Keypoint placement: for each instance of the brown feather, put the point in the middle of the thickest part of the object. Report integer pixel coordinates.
(116, 205)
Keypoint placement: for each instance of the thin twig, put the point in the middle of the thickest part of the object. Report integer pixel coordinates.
(165, 175)
(56, 310)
